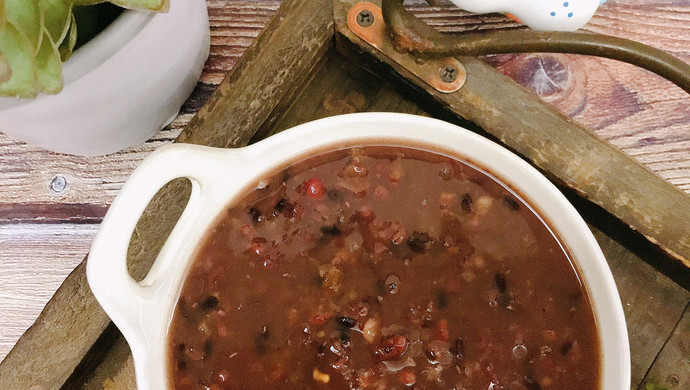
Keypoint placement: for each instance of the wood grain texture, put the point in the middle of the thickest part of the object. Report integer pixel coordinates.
(56, 335)
(268, 77)
(66, 243)
(671, 368)
(116, 372)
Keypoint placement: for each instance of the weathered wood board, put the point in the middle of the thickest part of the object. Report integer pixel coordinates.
(654, 304)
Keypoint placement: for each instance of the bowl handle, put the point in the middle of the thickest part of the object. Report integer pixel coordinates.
(124, 299)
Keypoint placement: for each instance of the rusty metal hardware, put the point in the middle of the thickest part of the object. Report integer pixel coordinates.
(445, 74)
(408, 37)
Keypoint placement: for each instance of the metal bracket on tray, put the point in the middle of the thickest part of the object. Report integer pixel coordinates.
(444, 74)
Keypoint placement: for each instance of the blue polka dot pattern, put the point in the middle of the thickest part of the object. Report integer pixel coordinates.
(543, 15)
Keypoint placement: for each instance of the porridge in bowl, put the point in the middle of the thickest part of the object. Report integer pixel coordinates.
(382, 267)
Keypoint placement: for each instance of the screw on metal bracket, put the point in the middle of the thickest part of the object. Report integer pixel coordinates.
(445, 74)
(448, 74)
(365, 18)
(58, 184)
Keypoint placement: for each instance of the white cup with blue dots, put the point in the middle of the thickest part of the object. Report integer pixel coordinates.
(543, 15)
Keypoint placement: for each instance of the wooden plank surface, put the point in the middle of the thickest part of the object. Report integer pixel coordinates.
(629, 107)
(671, 368)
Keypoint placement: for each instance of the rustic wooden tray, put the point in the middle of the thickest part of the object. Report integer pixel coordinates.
(307, 64)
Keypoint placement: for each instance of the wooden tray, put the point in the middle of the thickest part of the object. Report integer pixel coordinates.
(307, 64)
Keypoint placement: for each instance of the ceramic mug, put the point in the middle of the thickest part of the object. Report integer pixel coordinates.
(143, 311)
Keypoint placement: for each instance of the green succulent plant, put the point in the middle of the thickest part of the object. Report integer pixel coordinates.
(36, 36)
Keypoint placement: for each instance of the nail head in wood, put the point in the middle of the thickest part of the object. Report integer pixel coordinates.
(58, 184)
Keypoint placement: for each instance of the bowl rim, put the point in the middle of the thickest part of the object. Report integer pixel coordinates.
(144, 321)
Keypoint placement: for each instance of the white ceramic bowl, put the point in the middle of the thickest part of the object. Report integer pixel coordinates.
(143, 311)
(121, 87)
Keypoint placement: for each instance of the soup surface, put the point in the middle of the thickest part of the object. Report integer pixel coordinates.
(382, 268)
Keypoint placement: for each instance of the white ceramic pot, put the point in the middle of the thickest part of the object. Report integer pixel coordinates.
(121, 87)
(143, 311)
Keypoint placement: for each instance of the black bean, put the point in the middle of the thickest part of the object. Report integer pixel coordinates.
(344, 339)
(208, 348)
(381, 287)
(180, 347)
(442, 298)
(330, 230)
(530, 383)
(334, 195)
(181, 366)
(501, 283)
(346, 322)
(511, 203)
(280, 206)
(209, 303)
(466, 202)
(261, 341)
(419, 241)
(392, 284)
(566, 347)
(458, 348)
(321, 349)
(256, 215)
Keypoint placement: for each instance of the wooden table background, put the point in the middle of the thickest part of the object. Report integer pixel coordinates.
(46, 230)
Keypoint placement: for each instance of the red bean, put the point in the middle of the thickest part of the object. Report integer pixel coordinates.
(442, 330)
(317, 319)
(407, 377)
(381, 193)
(314, 188)
(392, 347)
(438, 352)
